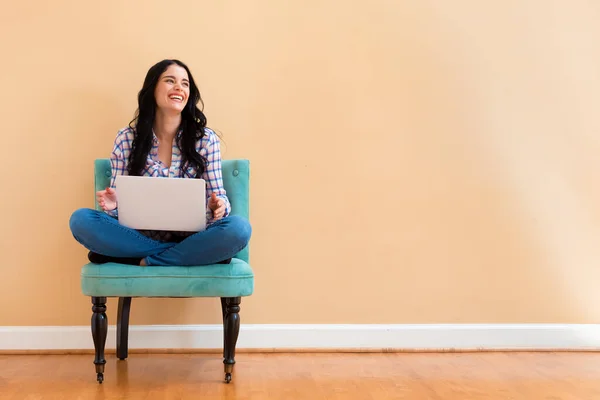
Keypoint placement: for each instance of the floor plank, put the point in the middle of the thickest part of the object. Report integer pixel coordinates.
(464, 376)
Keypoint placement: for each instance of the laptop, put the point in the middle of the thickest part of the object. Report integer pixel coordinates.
(164, 204)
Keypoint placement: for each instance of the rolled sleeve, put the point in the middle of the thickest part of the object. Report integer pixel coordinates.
(214, 175)
(118, 166)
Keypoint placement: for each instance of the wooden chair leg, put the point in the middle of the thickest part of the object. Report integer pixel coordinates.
(123, 327)
(224, 310)
(231, 327)
(224, 306)
(99, 331)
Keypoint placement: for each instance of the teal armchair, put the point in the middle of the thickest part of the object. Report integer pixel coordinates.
(229, 282)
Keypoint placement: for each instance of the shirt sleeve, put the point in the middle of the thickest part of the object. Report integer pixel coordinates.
(118, 166)
(214, 176)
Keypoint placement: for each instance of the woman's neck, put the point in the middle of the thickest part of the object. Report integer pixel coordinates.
(166, 125)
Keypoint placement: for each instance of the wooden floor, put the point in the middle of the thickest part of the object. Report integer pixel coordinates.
(419, 376)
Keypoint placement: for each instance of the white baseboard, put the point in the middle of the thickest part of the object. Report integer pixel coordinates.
(400, 337)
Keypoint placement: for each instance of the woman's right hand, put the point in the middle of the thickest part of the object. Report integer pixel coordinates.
(107, 199)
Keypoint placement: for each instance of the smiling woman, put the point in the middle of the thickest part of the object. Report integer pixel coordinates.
(168, 138)
(171, 93)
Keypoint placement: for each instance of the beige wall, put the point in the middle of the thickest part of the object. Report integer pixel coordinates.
(420, 162)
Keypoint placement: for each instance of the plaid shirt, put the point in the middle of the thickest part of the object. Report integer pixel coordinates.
(208, 147)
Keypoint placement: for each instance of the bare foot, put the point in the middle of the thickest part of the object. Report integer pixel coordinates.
(143, 262)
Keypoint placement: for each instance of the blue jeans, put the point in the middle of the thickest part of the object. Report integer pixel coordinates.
(103, 234)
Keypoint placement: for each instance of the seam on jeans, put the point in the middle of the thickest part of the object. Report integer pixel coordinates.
(87, 245)
(234, 253)
(129, 231)
(212, 262)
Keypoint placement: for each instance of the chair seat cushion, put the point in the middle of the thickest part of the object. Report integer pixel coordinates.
(119, 280)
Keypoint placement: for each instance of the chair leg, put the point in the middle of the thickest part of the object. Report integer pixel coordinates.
(123, 327)
(224, 310)
(231, 327)
(99, 331)
(224, 306)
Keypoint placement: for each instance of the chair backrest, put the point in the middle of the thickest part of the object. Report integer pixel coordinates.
(236, 179)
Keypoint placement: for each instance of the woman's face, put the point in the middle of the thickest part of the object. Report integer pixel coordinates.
(172, 89)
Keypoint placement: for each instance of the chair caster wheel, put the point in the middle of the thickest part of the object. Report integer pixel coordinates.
(100, 377)
(228, 377)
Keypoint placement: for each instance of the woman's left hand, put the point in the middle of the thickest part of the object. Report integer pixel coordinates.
(217, 206)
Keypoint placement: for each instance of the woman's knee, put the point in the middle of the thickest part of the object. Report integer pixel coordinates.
(80, 220)
(239, 230)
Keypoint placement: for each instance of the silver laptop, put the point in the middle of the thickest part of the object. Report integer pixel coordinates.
(166, 204)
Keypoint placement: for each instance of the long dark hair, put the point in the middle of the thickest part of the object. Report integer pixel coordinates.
(193, 122)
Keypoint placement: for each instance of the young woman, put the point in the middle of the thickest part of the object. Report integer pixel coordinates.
(168, 138)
